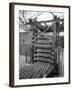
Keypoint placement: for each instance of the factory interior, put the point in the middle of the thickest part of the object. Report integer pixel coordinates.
(41, 44)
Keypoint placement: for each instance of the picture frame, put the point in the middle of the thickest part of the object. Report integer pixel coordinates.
(39, 44)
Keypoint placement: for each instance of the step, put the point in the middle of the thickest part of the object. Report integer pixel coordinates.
(43, 46)
(44, 51)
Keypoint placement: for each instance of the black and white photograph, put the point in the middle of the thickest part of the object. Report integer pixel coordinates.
(41, 44)
(40, 40)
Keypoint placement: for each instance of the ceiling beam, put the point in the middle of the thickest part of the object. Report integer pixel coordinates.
(51, 21)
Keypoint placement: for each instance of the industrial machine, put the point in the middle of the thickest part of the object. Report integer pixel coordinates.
(46, 48)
